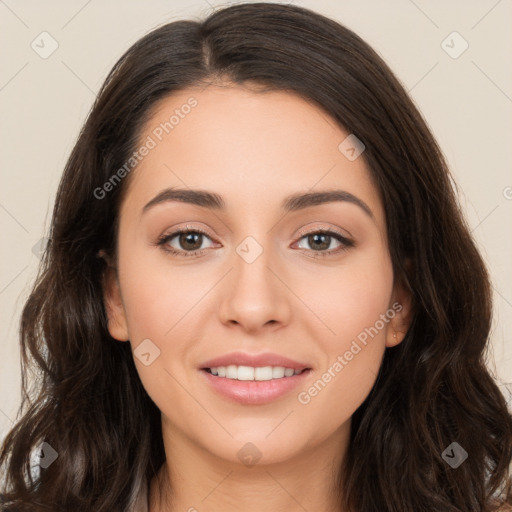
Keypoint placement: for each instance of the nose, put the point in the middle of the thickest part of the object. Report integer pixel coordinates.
(254, 294)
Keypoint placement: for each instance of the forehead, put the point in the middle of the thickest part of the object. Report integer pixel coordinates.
(251, 147)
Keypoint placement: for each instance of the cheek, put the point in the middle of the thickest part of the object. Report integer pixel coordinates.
(354, 307)
(159, 303)
(350, 298)
(331, 399)
(156, 294)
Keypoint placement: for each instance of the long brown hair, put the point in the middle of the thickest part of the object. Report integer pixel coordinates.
(87, 401)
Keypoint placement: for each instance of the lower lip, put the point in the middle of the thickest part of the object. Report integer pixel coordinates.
(254, 392)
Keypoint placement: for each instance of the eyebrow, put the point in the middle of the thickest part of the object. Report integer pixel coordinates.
(291, 203)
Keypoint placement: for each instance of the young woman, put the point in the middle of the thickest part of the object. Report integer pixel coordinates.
(259, 292)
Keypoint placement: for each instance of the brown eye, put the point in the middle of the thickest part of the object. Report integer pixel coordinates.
(319, 242)
(183, 242)
(190, 241)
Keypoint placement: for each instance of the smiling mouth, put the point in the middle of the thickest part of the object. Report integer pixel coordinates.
(254, 373)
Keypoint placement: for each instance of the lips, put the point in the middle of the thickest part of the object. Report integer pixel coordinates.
(242, 389)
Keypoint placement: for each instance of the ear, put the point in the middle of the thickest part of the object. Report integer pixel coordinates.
(114, 307)
(401, 304)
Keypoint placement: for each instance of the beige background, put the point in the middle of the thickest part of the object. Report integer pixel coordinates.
(467, 102)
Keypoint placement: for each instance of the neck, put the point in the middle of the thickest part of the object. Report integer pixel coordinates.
(193, 479)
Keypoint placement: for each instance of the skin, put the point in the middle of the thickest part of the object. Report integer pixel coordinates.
(253, 149)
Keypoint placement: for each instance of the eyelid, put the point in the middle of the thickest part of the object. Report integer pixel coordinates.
(325, 228)
(176, 230)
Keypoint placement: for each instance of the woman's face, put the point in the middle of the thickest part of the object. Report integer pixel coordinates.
(255, 282)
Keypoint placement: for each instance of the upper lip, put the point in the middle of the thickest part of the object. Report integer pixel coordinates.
(254, 360)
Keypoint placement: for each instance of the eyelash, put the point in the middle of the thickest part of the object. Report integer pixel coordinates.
(346, 243)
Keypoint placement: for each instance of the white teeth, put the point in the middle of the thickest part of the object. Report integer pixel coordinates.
(263, 373)
(232, 371)
(253, 373)
(245, 373)
(278, 372)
